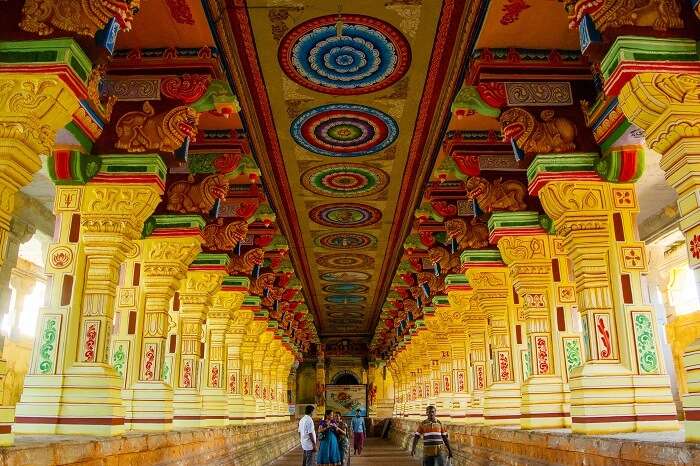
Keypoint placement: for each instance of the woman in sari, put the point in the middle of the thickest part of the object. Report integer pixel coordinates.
(328, 449)
(343, 443)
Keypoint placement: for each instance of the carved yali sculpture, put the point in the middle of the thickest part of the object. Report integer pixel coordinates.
(468, 236)
(659, 14)
(448, 262)
(190, 197)
(265, 280)
(219, 237)
(140, 131)
(551, 135)
(244, 264)
(84, 17)
(499, 195)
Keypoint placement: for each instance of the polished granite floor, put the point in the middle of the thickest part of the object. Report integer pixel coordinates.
(376, 452)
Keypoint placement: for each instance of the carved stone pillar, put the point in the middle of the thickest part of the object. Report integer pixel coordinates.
(321, 384)
(667, 107)
(36, 100)
(235, 335)
(262, 346)
(203, 280)
(489, 279)
(255, 330)
(440, 360)
(98, 225)
(268, 374)
(623, 386)
(138, 350)
(225, 304)
(544, 394)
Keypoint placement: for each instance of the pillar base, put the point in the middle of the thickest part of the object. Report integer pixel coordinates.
(605, 400)
(86, 400)
(544, 403)
(691, 408)
(214, 408)
(148, 407)
(7, 417)
(259, 413)
(187, 408)
(502, 404)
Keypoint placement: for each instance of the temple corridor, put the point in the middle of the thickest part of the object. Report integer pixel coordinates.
(224, 219)
(376, 452)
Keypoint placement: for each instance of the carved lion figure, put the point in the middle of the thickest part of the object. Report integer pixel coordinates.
(218, 237)
(659, 14)
(499, 195)
(84, 17)
(448, 262)
(468, 236)
(265, 280)
(551, 135)
(190, 197)
(436, 284)
(244, 264)
(140, 131)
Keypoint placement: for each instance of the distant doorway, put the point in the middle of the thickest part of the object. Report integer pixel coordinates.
(345, 378)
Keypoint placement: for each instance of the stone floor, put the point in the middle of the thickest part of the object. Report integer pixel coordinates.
(376, 452)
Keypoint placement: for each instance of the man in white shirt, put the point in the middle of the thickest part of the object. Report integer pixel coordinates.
(308, 437)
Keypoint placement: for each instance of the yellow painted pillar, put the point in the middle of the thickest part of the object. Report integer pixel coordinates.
(529, 259)
(98, 225)
(267, 361)
(440, 360)
(667, 107)
(623, 386)
(238, 327)
(489, 279)
(202, 281)
(321, 384)
(225, 303)
(139, 350)
(36, 101)
(264, 342)
(256, 328)
(284, 369)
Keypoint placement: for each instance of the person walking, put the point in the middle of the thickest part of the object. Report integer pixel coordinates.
(307, 435)
(343, 443)
(434, 437)
(358, 432)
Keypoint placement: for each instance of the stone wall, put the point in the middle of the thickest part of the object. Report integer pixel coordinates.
(253, 445)
(477, 445)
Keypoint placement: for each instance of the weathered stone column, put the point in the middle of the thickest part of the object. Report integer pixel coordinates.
(489, 279)
(138, 351)
(235, 335)
(623, 386)
(203, 280)
(225, 304)
(529, 259)
(99, 223)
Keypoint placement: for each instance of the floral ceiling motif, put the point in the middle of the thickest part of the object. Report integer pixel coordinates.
(349, 215)
(366, 55)
(345, 180)
(344, 130)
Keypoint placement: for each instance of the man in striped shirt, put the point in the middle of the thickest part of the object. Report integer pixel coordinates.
(434, 437)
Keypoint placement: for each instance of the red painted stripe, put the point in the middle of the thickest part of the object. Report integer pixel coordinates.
(692, 414)
(5, 428)
(515, 416)
(62, 164)
(538, 415)
(148, 421)
(218, 268)
(626, 70)
(129, 179)
(176, 232)
(88, 421)
(630, 418)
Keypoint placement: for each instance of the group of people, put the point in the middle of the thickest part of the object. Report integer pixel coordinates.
(331, 447)
(332, 443)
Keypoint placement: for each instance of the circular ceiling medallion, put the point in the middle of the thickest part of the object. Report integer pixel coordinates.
(344, 315)
(369, 55)
(344, 130)
(345, 299)
(346, 240)
(345, 261)
(345, 307)
(344, 180)
(345, 288)
(349, 215)
(345, 276)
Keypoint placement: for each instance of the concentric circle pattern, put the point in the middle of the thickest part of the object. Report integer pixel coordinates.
(345, 288)
(345, 180)
(348, 215)
(367, 56)
(346, 240)
(344, 130)
(345, 315)
(345, 261)
(345, 276)
(345, 299)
